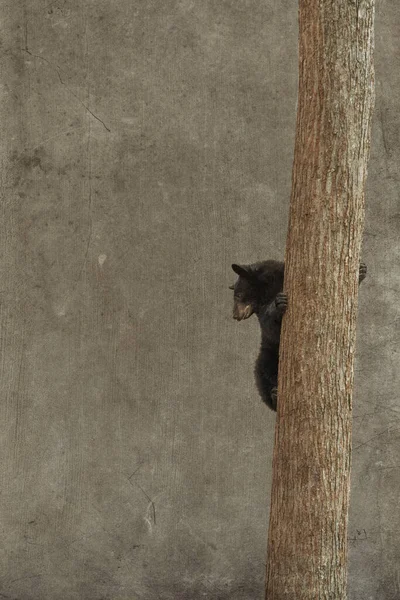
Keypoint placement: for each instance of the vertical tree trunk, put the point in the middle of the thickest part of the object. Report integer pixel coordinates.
(307, 542)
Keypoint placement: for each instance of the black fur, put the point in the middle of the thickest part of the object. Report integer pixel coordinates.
(258, 290)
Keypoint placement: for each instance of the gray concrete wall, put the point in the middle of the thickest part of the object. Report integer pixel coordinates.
(145, 146)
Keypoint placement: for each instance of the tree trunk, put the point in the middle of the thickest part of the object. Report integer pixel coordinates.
(307, 542)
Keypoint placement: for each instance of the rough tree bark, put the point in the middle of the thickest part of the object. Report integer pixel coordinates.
(307, 542)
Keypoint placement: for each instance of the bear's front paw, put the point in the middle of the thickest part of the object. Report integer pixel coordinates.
(274, 398)
(362, 273)
(281, 302)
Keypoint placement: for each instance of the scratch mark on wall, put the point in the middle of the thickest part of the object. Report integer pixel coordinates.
(384, 138)
(24, 578)
(150, 516)
(58, 71)
(398, 580)
(89, 238)
(387, 430)
(53, 137)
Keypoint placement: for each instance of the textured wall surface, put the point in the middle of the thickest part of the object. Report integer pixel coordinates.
(145, 146)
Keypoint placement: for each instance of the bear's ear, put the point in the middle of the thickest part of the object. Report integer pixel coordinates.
(243, 271)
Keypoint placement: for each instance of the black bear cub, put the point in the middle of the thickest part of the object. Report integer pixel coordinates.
(258, 290)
